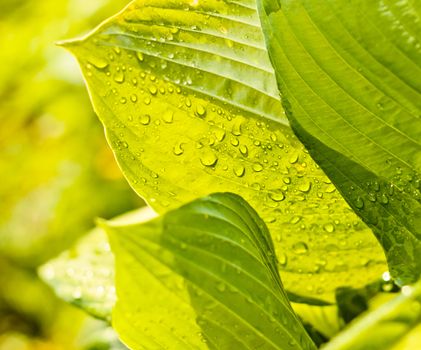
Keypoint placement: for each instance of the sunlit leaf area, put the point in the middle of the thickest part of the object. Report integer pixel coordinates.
(210, 174)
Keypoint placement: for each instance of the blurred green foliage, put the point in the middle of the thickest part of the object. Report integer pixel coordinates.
(57, 173)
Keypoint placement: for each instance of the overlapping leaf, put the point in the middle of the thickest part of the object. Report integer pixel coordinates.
(203, 276)
(190, 107)
(349, 74)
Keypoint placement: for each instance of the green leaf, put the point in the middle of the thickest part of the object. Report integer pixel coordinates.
(84, 275)
(349, 74)
(189, 102)
(203, 276)
(384, 327)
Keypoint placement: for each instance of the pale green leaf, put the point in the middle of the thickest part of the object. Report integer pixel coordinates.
(84, 275)
(189, 102)
(384, 327)
(203, 276)
(349, 75)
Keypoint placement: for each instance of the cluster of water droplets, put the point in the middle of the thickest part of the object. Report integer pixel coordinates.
(166, 133)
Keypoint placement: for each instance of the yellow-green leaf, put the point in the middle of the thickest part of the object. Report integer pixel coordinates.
(190, 107)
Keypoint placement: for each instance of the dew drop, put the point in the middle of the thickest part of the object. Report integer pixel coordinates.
(300, 248)
(282, 259)
(236, 128)
(305, 187)
(153, 90)
(119, 77)
(239, 170)
(140, 56)
(329, 228)
(257, 167)
(99, 62)
(145, 119)
(244, 150)
(277, 196)
(293, 159)
(220, 134)
(234, 141)
(200, 111)
(147, 101)
(286, 180)
(295, 220)
(359, 203)
(168, 116)
(209, 159)
(178, 149)
(133, 98)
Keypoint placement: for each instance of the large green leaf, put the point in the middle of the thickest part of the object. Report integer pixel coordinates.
(384, 327)
(203, 276)
(190, 107)
(349, 75)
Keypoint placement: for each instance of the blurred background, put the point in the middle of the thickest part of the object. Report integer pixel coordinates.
(57, 173)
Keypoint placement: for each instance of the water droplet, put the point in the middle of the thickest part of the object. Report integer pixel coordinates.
(168, 116)
(140, 56)
(330, 188)
(209, 159)
(133, 98)
(153, 90)
(239, 170)
(359, 203)
(277, 196)
(282, 259)
(384, 199)
(300, 248)
(295, 219)
(371, 197)
(99, 62)
(187, 102)
(145, 119)
(293, 159)
(305, 187)
(244, 150)
(286, 180)
(220, 134)
(236, 128)
(147, 101)
(234, 141)
(329, 228)
(119, 77)
(200, 111)
(257, 167)
(178, 149)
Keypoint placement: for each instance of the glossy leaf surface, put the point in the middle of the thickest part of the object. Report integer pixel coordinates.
(203, 276)
(189, 102)
(349, 74)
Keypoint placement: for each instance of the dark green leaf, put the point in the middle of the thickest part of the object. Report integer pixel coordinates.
(349, 75)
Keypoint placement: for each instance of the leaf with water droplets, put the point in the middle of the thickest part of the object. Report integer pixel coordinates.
(84, 274)
(203, 276)
(208, 118)
(349, 75)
